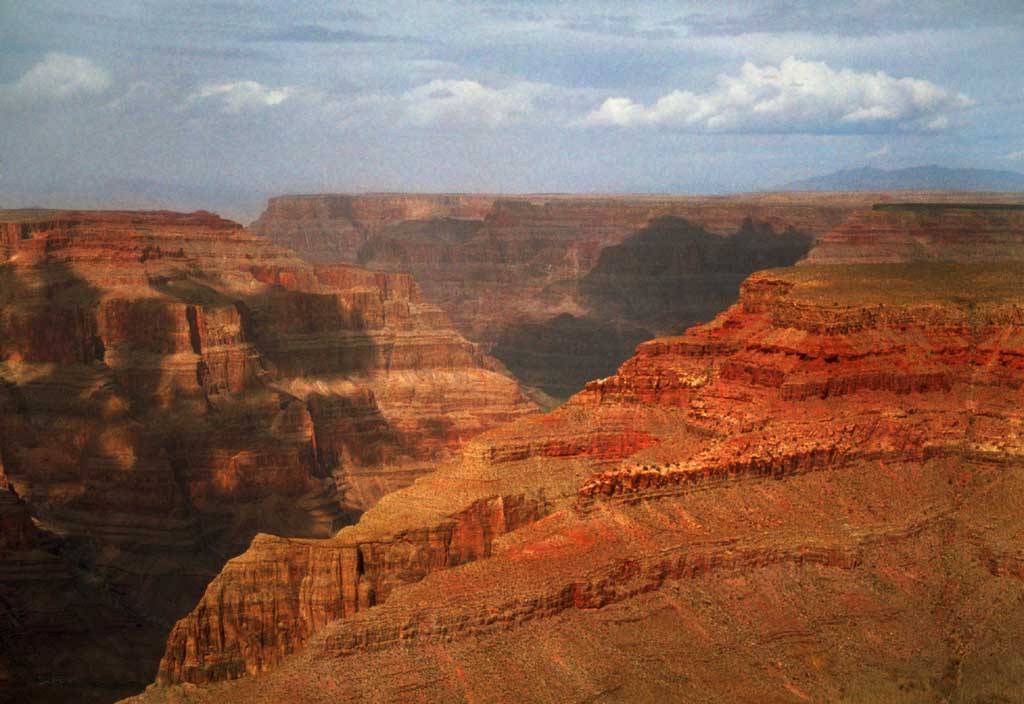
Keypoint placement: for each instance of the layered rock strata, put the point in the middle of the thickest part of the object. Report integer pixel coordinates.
(333, 227)
(172, 384)
(910, 232)
(810, 498)
(531, 278)
(561, 288)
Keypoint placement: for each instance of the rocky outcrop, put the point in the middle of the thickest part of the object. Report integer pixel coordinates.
(269, 601)
(171, 385)
(16, 528)
(805, 499)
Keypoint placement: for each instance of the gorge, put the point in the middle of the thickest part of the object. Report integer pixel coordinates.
(259, 478)
(799, 500)
(559, 288)
(539, 352)
(562, 288)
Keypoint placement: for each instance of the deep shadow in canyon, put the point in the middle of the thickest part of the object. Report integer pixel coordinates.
(560, 289)
(668, 276)
(82, 609)
(674, 273)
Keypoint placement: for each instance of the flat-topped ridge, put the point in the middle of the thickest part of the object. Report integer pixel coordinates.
(963, 231)
(153, 217)
(947, 206)
(914, 284)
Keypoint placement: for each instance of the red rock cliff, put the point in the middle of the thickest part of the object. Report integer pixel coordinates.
(172, 384)
(806, 499)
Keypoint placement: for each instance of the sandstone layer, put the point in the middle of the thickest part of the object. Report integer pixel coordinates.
(170, 385)
(814, 497)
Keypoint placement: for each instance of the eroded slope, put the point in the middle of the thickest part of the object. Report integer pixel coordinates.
(919, 232)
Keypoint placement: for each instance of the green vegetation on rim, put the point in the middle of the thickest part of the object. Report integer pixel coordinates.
(26, 214)
(923, 283)
(933, 207)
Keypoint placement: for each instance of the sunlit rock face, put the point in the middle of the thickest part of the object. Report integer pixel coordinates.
(170, 385)
(810, 498)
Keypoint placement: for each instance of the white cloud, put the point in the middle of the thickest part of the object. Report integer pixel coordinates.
(471, 103)
(884, 150)
(795, 96)
(439, 102)
(58, 77)
(243, 96)
(1015, 156)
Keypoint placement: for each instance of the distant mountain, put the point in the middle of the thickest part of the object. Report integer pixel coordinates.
(916, 178)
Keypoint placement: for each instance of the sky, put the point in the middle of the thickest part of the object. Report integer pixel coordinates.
(530, 96)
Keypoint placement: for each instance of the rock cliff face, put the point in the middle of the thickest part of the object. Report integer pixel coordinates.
(524, 276)
(911, 232)
(810, 498)
(170, 385)
(333, 227)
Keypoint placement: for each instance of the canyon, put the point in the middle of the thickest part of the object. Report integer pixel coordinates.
(808, 498)
(534, 352)
(561, 288)
(262, 477)
(170, 386)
